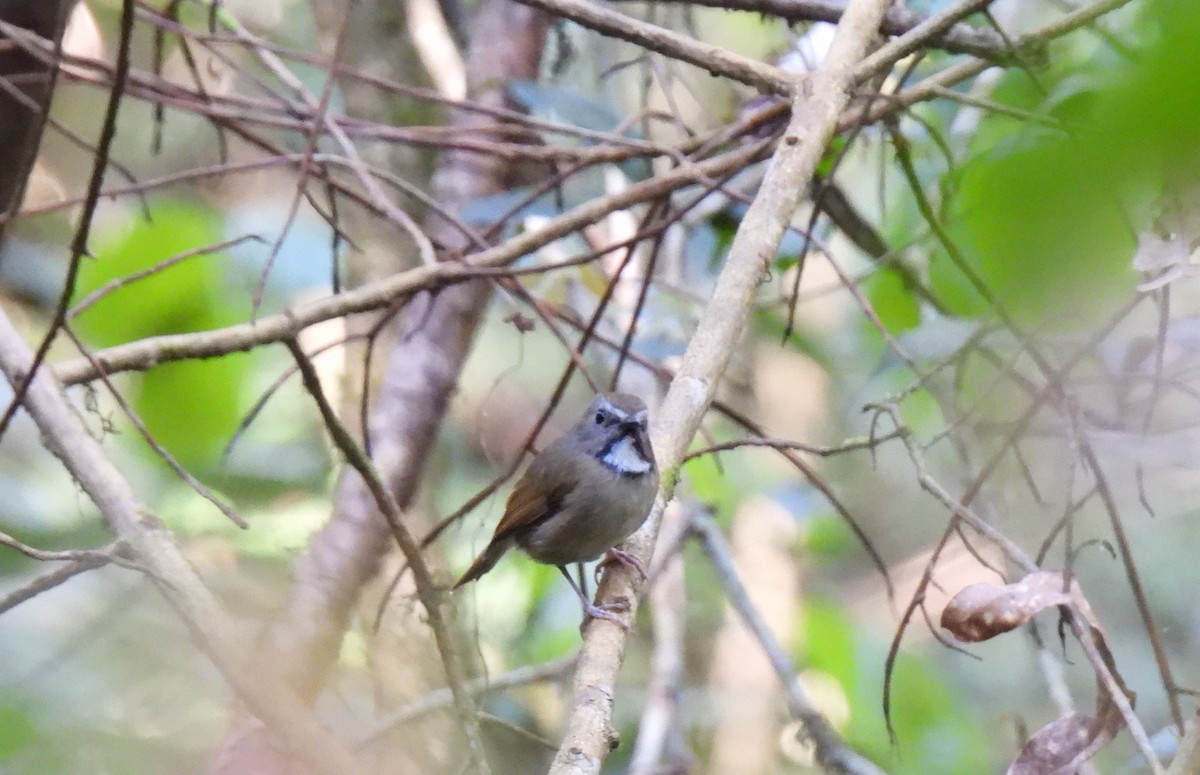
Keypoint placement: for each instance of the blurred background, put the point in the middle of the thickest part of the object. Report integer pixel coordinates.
(1005, 267)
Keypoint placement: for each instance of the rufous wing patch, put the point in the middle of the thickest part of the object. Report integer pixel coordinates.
(527, 504)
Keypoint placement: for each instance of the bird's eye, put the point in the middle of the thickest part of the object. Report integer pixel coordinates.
(599, 418)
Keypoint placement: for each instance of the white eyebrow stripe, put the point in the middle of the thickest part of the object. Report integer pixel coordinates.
(605, 405)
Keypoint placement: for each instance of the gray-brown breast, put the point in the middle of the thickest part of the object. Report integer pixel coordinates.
(599, 511)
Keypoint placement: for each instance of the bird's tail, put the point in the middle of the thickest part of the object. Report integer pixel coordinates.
(484, 562)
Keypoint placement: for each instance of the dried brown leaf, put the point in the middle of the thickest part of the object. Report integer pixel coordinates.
(982, 611)
(1062, 746)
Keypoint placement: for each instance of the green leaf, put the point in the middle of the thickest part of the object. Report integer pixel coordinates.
(17, 733)
(1047, 219)
(190, 406)
(710, 484)
(893, 302)
(933, 724)
(829, 537)
(829, 639)
(1041, 228)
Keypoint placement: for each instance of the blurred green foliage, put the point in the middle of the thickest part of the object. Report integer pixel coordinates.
(1047, 218)
(190, 407)
(897, 307)
(935, 728)
(20, 738)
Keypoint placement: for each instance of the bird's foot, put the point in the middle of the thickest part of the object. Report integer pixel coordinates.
(610, 611)
(620, 557)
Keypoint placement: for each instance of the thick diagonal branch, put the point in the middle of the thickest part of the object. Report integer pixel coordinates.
(151, 547)
(817, 102)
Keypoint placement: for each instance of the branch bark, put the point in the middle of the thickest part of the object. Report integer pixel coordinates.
(817, 102)
(421, 374)
(21, 123)
(151, 351)
(831, 753)
(959, 39)
(706, 56)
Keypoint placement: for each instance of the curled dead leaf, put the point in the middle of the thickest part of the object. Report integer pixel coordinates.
(1062, 746)
(982, 611)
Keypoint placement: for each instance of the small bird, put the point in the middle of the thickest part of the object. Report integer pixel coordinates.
(583, 494)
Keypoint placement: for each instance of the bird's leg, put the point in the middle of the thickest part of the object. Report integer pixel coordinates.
(609, 611)
(621, 557)
(583, 580)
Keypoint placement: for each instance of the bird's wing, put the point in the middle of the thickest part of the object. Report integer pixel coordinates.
(537, 495)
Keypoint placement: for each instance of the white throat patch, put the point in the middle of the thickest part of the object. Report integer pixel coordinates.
(624, 458)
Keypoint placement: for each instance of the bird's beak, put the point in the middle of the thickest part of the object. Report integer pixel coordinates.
(631, 427)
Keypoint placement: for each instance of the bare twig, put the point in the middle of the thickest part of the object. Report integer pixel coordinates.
(919, 35)
(660, 728)
(440, 699)
(50, 579)
(958, 39)
(79, 243)
(1134, 578)
(714, 59)
(201, 489)
(928, 88)
(850, 445)
(832, 753)
(1080, 628)
(432, 597)
(432, 342)
(149, 352)
(124, 282)
(378, 197)
(72, 555)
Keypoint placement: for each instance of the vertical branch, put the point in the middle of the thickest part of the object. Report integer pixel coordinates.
(659, 744)
(817, 103)
(22, 121)
(423, 369)
(432, 598)
(832, 754)
(79, 243)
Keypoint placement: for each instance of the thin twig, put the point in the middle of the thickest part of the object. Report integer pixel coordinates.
(79, 243)
(432, 598)
(50, 579)
(715, 60)
(71, 555)
(130, 279)
(149, 352)
(832, 753)
(1080, 628)
(188, 478)
(957, 39)
(439, 699)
